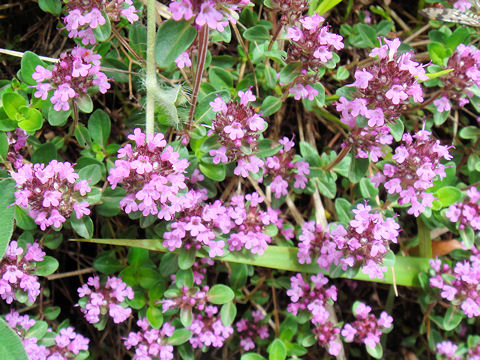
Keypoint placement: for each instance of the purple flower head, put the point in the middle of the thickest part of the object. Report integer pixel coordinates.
(66, 346)
(16, 141)
(16, 272)
(208, 330)
(459, 284)
(385, 87)
(50, 193)
(250, 223)
(186, 299)
(417, 165)
(152, 174)
(310, 297)
(465, 63)
(238, 127)
(280, 170)
(150, 343)
(366, 241)
(250, 330)
(71, 77)
(467, 212)
(366, 329)
(199, 224)
(84, 16)
(312, 45)
(290, 10)
(213, 13)
(109, 298)
(446, 350)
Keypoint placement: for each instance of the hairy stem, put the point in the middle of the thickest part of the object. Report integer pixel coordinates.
(151, 77)
(424, 240)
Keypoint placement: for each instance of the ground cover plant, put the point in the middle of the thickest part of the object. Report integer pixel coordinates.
(268, 179)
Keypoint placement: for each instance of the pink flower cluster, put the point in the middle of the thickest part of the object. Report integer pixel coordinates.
(466, 212)
(16, 270)
(95, 303)
(208, 329)
(186, 299)
(312, 45)
(290, 10)
(250, 330)
(459, 284)
(67, 343)
(150, 343)
(210, 12)
(199, 269)
(281, 170)
(446, 350)
(384, 88)
(365, 242)
(238, 127)
(366, 329)
(86, 15)
(313, 298)
(72, 76)
(152, 175)
(251, 223)
(16, 141)
(465, 63)
(417, 165)
(474, 353)
(199, 224)
(315, 242)
(368, 142)
(51, 193)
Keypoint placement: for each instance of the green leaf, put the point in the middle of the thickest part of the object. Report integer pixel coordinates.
(107, 263)
(138, 38)
(252, 356)
(406, 269)
(38, 330)
(91, 173)
(52, 312)
(396, 129)
(186, 258)
(10, 343)
(58, 118)
(468, 237)
(326, 5)
(344, 210)
(220, 78)
(376, 352)
(82, 226)
(368, 189)
(184, 278)
(148, 277)
(220, 294)
(46, 267)
(179, 337)
(446, 196)
(290, 72)
(155, 316)
(29, 119)
(7, 197)
(213, 171)
(11, 103)
(54, 7)
(438, 52)
(257, 33)
(367, 34)
(84, 103)
(358, 168)
(238, 275)
(277, 350)
(270, 105)
(228, 313)
(186, 316)
(103, 32)
(28, 64)
(469, 132)
(326, 185)
(453, 317)
(342, 73)
(3, 146)
(173, 38)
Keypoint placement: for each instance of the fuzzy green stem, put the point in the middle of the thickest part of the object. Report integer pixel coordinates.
(151, 77)
(424, 240)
